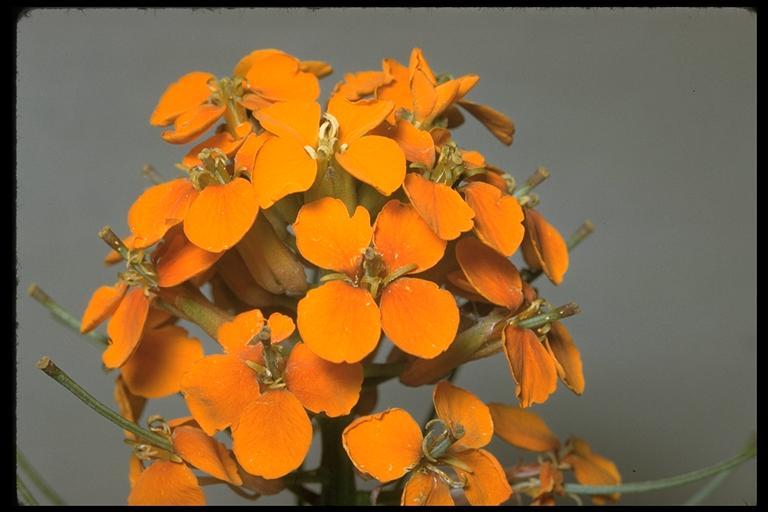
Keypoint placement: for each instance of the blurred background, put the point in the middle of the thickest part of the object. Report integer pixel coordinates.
(646, 119)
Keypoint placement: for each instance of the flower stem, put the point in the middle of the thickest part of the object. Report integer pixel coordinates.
(57, 374)
(665, 483)
(187, 302)
(37, 479)
(376, 370)
(539, 175)
(25, 497)
(64, 316)
(340, 489)
(564, 311)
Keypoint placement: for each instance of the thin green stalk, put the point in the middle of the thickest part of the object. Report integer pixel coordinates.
(57, 374)
(666, 483)
(538, 176)
(304, 494)
(64, 316)
(707, 489)
(22, 492)
(37, 479)
(564, 311)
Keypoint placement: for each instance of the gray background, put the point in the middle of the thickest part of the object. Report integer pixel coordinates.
(646, 119)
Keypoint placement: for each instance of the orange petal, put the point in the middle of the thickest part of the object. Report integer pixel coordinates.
(135, 468)
(166, 483)
(498, 218)
(191, 124)
(327, 236)
(159, 208)
(217, 388)
(397, 90)
(457, 406)
(282, 166)
(385, 445)
(277, 78)
(491, 274)
(445, 94)
(319, 68)
(592, 469)
(532, 367)
(125, 328)
(424, 95)
(375, 160)
(294, 120)
(402, 238)
(130, 406)
(223, 141)
(246, 155)
(424, 488)
(461, 286)
(273, 435)
(221, 215)
(235, 335)
(522, 428)
(497, 123)
(104, 301)
(441, 206)
(321, 386)
(417, 144)
(185, 94)
(567, 357)
(466, 83)
(544, 247)
(281, 327)
(417, 61)
(246, 62)
(206, 454)
(359, 117)
(163, 357)
(339, 322)
(361, 84)
(418, 316)
(178, 260)
(486, 484)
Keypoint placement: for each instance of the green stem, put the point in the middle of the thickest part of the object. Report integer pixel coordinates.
(564, 311)
(708, 488)
(64, 316)
(37, 479)
(377, 370)
(340, 489)
(187, 302)
(532, 182)
(304, 494)
(23, 493)
(57, 374)
(666, 483)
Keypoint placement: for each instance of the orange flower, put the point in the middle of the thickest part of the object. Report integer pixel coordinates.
(388, 445)
(495, 216)
(216, 206)
(262, 395)
(528, 431)
(169, 480)
(341, 320)
(197, 100)
(301, 153)
(534, 364)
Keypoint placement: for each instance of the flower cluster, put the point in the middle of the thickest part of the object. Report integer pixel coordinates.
(309, 239)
